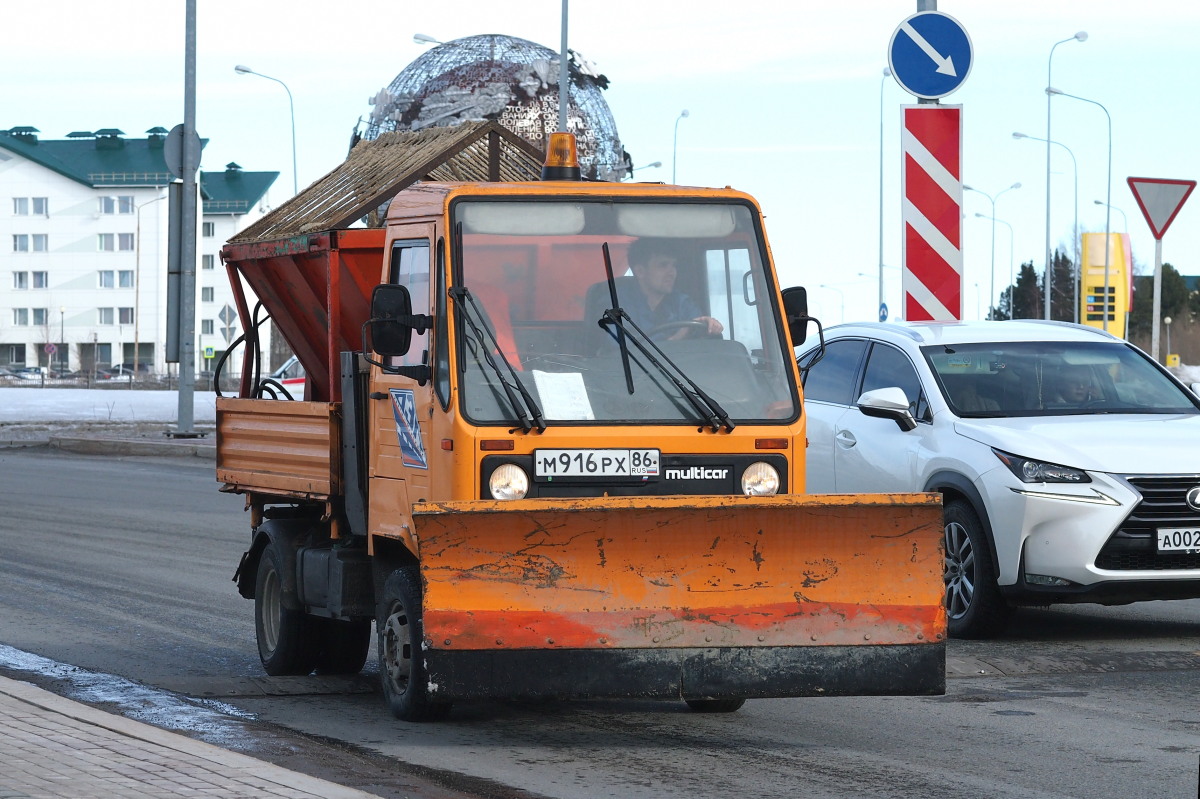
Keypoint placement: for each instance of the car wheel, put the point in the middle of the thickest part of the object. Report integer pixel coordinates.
(974, 606)
(287, 638)
(401, 665)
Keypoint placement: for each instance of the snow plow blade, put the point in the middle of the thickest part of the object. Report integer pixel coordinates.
(684, 597)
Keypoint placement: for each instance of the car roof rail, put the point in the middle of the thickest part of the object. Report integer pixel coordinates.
(1068, 325)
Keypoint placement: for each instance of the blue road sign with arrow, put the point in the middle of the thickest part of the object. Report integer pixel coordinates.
(930, 54)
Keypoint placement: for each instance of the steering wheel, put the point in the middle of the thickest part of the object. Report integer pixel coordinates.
(693, 327)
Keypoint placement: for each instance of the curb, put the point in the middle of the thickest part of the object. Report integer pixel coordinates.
(197, 448)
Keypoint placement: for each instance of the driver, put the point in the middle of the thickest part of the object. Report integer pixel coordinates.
(657, 303)
(1073, 386)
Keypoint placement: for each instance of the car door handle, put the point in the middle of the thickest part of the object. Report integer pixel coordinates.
(845, 438)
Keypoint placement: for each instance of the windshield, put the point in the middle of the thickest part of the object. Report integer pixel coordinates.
(688, 274)
(1052, 378)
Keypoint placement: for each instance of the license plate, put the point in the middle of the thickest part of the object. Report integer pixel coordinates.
(1178, 539)
(595, 463)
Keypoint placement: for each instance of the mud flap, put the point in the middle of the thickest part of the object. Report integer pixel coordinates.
(684, 596)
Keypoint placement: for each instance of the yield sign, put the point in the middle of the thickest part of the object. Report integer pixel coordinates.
(1160, 200)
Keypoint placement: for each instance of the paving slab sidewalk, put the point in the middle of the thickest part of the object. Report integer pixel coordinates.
(54, 747)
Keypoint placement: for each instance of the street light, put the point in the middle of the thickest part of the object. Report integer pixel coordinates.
(1012, 281)
(421, 38)
(1081, 36)
(675, 146)
(1167, 322)
(1050, 90)
(841, 297)
(654, 165)
(1075, 170)
(1116, 208)
(242, 70)
(992, 200)
(887, 72)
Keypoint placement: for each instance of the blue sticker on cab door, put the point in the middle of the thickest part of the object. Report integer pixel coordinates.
(408, 429)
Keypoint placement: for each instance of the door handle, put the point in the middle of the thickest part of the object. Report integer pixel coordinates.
(845, 438)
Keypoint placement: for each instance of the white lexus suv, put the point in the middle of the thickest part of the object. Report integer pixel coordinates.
(1068, 460)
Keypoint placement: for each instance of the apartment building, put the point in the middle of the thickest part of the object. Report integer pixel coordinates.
(83, 250)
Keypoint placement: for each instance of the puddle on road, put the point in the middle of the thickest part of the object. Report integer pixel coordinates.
(211, 721)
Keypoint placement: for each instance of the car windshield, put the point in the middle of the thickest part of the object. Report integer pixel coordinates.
(1051, 378)
(689, 274)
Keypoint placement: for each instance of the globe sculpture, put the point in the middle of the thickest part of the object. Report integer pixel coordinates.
(512, 81)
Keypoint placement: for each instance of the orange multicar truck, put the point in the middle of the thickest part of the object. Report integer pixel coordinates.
(531, 492)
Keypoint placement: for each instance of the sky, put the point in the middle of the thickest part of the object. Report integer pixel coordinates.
(786, 100)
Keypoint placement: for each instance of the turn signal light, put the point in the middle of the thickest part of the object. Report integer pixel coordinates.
(562, 163)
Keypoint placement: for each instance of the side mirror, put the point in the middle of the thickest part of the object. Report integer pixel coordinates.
(888, 403)
(795, 313)
(392, 322)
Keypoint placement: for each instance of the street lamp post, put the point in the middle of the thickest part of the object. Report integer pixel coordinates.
(841, 298)
(1075, 172)
(654, 165)
(1081, 36)
(62, 336)
(1167, 322)
(243, 70)
(1116, 208)
(1050, 90)
(887, 72)
(1011, 277)
(675, 145)
(992, 200)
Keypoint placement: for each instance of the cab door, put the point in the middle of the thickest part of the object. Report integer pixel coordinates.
(399, 409)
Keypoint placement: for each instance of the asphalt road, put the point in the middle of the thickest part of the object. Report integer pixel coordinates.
(122, 567)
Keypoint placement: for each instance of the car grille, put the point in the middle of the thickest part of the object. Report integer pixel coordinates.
(1131, 547)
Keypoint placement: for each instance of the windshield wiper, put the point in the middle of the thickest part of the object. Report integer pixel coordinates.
(709, 410)
(486, 339)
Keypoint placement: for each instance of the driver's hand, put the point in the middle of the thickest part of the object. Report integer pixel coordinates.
(715, 328)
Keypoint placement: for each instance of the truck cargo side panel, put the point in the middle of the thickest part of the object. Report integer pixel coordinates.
(275, 447)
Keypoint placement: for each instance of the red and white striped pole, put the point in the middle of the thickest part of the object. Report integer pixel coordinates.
(933, 189)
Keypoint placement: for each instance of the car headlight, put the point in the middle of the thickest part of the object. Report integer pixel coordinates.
(760, 480)
(1028, 470)
(509, 481)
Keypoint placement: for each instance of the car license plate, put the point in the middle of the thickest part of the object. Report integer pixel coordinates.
(548, 463)
(1178, 539)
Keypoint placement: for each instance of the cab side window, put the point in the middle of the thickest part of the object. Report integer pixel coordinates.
(410, 268)
(834, 377)
(888, 367)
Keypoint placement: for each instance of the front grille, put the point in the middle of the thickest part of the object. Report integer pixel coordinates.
(1131, 547)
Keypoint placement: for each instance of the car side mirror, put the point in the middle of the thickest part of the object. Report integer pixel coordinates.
(888, 403)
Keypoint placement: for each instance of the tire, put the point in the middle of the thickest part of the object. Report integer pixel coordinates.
(344, 645)
(974, 606)
(401, 666)
(287, 639)
(714, 705)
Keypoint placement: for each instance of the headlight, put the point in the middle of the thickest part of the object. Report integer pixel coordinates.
(1031, 471)
(760, 480)
(509, 481)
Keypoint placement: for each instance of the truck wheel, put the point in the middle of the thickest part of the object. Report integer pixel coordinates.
(974, 606)
(287, 640)
(714, 705)
(401, 666)
(344, 645)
